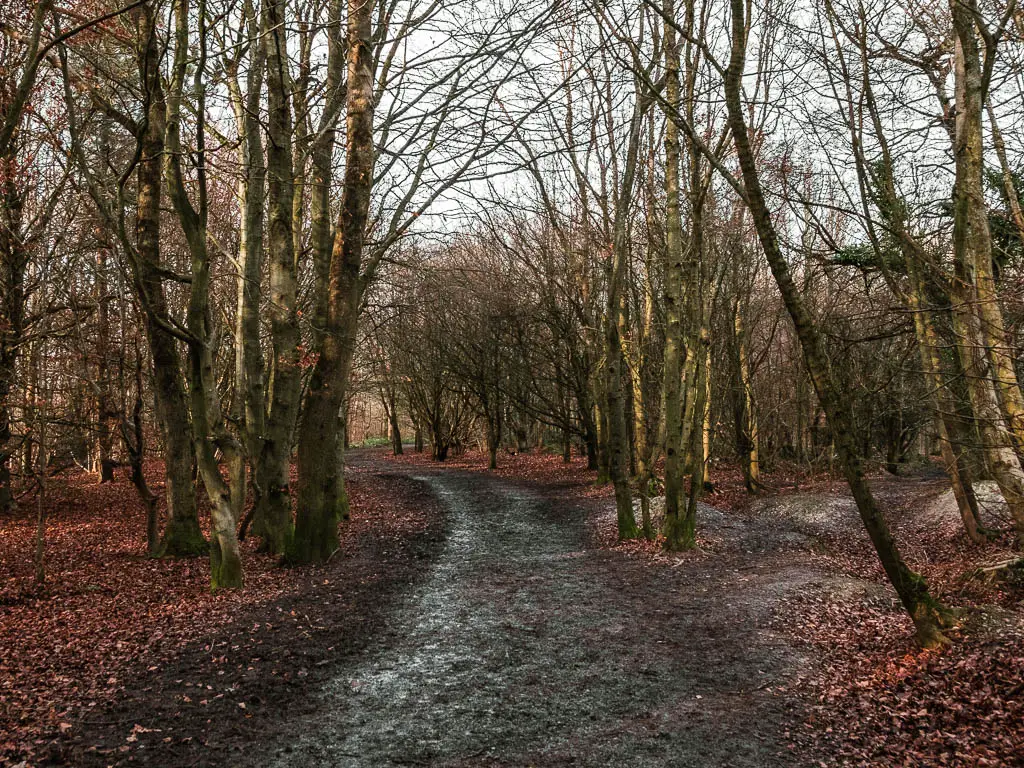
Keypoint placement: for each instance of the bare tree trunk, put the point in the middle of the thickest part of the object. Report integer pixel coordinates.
(249, 364)
(321, 484)
(182, 536)
(928, 615)
(677, 528)
(746, 414)
(208, 431)
(273, 516)
(618, 435)
(972, 239)
(396, 432)
(980, 316)
(705, 421)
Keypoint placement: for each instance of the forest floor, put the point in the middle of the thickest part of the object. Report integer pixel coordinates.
(491, 619)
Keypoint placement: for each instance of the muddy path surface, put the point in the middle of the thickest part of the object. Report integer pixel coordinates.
(525, 644)
(500, 634)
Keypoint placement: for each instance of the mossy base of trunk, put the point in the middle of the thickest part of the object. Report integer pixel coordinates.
(624, 511)
(313, 545)
(316, 534)
(182, 538)
(680, 532)
(929, 615)
(225, 568)
(930, 637)
(272, 521)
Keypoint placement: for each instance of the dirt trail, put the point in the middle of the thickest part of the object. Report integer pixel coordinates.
(501, 634)
(525, 645)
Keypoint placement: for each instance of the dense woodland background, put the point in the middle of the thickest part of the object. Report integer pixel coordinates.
(656, 234)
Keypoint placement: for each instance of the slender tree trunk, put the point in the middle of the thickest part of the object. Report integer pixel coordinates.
(746, 414)
(586, 415)
(396, 432)
(929, 616)
(208, 429)
(705, 422)
(677, 528)
(249, 362)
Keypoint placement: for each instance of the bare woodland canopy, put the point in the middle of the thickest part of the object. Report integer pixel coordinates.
(653, 232)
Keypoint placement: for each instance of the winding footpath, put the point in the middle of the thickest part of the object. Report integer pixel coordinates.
(526, 646)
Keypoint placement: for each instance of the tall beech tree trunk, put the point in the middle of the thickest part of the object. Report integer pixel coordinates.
(678, 528)
(273, 517)
(249, 363)
(615, 396)
(321, 498)
(182, 536)
(928, 615)
(647, 413)
(208, 430)
(989, 365)
(972, 238)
